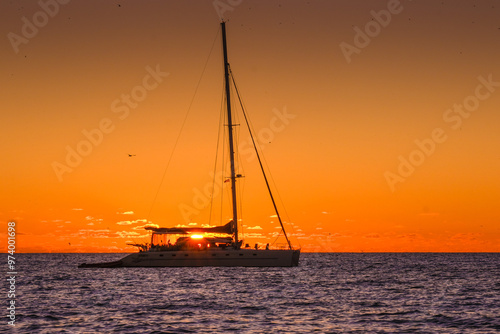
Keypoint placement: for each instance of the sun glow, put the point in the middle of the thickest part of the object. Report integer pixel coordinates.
(196, 236)
(358, 169)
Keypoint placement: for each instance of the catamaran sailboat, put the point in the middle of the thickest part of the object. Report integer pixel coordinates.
(210, 246)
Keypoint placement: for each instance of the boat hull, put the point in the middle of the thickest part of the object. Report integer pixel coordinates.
(206, 258)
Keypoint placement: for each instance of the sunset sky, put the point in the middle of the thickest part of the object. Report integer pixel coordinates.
(379, 121)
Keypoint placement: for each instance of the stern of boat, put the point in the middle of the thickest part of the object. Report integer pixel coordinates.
(295, 257)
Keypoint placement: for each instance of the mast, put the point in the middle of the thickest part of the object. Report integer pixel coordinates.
(230, 133)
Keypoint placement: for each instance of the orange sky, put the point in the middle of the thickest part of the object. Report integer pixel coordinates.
(379, 121)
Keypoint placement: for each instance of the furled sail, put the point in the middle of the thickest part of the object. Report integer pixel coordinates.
(226, 229)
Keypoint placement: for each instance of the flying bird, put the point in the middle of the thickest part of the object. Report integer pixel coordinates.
(131, 155)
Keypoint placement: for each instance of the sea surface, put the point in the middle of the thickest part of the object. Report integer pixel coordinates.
(326, 293)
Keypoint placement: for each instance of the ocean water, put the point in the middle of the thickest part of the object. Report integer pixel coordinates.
(327, 293)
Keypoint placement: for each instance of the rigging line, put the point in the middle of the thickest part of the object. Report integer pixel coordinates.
(238, 165)
(269, 174)
(270, 177)
(260, 162)
(182, 126)
(221, 122)
(280, 200)
(279, 235)
(278, 195)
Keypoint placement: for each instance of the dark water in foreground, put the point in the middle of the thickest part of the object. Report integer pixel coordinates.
(327, 293)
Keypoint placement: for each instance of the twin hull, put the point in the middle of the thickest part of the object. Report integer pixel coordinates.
(214, 258)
